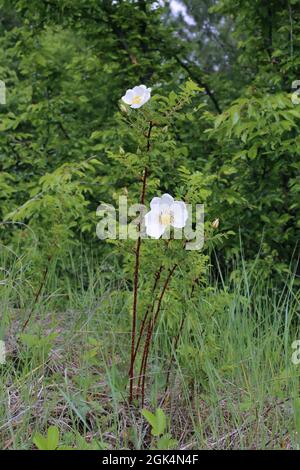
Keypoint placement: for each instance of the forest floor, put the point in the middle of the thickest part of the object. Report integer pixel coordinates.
(233, 384)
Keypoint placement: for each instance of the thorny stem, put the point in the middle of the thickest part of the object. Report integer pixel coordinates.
(145, 353)
(150, 309)
(157, 277)
(136, 275)
(151, 325)
(149, 333)
(145, 348)
(142, 367)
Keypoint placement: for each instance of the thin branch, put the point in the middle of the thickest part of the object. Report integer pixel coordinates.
(151, 326)
(202, 84)
(149, 309)
(136, 276)
(118, 32)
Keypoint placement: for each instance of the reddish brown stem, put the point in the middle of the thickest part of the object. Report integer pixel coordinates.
(151, 326)
(151, 309)
(134, 315)
(157, 277)
(147, 341)
(136, 277)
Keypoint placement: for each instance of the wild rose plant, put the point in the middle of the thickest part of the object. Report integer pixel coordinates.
(163, 276)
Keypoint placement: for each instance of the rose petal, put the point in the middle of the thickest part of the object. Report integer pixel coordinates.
(136, 106)
(127, 98)
(153, 227)
(147, 97)
(180, 214)
(155, 204)
(167, 199)
(166, 202)
(138, 91)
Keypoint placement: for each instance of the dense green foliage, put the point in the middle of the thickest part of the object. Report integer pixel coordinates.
(220, 129)
(66, 64)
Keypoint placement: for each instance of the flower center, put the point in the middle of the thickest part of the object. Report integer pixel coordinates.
(136, 99)
(166, 219)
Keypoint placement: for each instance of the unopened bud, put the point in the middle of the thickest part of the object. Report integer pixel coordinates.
(215, 223)
(123, 108)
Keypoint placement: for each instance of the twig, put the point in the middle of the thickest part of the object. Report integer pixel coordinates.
(202, 84)
(151, 325)
(157, 277)
(136, 277)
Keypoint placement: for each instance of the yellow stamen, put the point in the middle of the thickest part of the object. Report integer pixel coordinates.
(166, 219)
(136, 100)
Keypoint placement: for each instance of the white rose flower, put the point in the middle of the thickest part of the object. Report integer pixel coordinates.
(137, 96)
(165, 212)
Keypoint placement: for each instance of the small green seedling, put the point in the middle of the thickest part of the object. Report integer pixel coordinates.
(50, 442)
(158, 423)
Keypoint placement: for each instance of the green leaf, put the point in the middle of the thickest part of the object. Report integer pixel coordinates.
(235, 117)
(161, 421)
(158, 421)
(40, 441)
(166, 442)
(52, 437)
(252, 153)
(150, 417)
